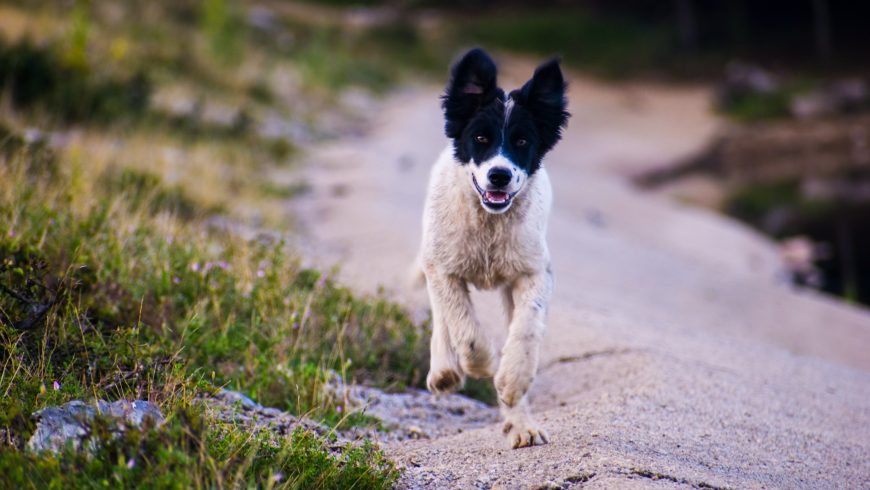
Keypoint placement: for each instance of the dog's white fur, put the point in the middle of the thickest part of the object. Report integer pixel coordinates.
(464, 244)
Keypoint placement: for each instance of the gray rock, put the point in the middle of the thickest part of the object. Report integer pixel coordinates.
(71, 422)
(741, 80)
(236, 408)
(417, 414)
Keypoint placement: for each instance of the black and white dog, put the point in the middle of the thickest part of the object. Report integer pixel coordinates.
(484, 224)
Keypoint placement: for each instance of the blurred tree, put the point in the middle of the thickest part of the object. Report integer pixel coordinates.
(688, 33)
(822, 21)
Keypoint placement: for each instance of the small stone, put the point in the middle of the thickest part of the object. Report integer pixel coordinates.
(57, 426)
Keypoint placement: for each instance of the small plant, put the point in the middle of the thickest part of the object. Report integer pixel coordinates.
(76, 53)
(224, 29)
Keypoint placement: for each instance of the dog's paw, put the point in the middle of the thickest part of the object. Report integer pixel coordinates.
(444, 381)
(523, 432)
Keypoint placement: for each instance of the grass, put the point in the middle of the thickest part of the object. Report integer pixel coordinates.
(115, 283)
(189, 451)
(753, 107)
(130, 280)
(110, 288)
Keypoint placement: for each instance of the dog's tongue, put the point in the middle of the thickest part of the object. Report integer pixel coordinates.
(496, 196)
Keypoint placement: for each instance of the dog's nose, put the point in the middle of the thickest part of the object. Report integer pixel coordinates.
(499, 176)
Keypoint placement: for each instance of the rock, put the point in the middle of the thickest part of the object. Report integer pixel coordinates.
(413, 414)
(814, 104)
(235, 397)
(851, 95)
(741, 80)
(417, 414)
(848, 96)
(236, 408)
(263, 19)
(56, 426)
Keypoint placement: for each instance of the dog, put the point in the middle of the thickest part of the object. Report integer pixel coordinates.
(484, 224)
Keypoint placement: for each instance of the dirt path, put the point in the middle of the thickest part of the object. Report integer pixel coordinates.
(673, 357)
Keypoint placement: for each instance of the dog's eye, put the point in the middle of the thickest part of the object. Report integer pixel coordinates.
(481, 139)
(521, 142)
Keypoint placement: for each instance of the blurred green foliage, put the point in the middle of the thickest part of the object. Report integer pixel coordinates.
(610, 46)
(224, 27)
(36, 78)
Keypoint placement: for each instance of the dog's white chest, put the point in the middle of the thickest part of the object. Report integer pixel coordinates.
(486, 250)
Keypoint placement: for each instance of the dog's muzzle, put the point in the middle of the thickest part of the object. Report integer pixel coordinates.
(494, 200)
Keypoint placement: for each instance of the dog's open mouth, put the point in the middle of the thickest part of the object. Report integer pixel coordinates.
(493, 199)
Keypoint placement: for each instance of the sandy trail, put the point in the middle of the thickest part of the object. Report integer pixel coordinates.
(673, 356)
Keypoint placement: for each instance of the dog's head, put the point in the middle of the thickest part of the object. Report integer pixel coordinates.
(502, 139)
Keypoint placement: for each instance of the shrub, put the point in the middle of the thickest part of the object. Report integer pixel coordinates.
(37, 78)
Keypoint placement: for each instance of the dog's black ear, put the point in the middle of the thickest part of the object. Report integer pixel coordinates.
(544, 97)
(472, 85)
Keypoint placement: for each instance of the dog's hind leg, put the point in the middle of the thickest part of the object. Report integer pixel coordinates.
(519, 362)
(456, 335)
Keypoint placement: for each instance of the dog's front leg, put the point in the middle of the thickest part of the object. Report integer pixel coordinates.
(458, 346)
(519, 362)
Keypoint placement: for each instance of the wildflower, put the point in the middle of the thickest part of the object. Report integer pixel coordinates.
(176, 280)
(224, 265)
(11, 233)
(131, 464)
(42, 389)
(56, 386)
(261, 273)
(208, 266)
(194, 267)
(322, 281)
(277, 477)
(338, 408)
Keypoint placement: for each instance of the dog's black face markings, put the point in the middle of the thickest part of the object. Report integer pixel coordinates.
(483, 123)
